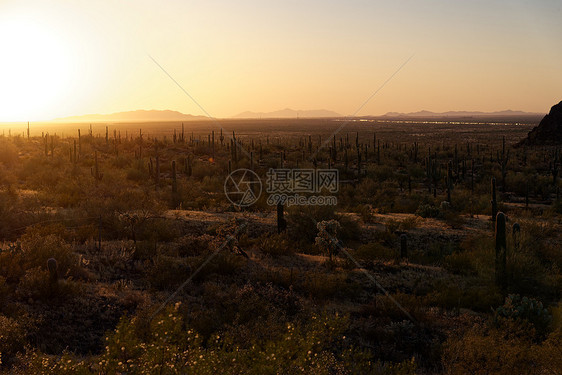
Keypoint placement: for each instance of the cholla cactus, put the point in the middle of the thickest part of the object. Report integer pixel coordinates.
(327, 236)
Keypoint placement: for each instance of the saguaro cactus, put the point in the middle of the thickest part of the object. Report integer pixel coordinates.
(516, 232)
(95, 171)
(501, 251)
(449, 180)
(281, 222)
(53, 269)
(188, 166)
(403, 245)
(174, 179)
(494, 201)
(503, 160)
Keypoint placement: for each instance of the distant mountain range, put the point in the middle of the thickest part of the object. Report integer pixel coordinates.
(460, 114)
(168, 115)
(289, 113)
(134, 116)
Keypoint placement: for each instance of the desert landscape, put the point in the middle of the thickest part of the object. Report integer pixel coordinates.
(123, 254)
(280, 187)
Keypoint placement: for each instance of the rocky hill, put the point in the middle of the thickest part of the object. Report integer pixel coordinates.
(548, 132)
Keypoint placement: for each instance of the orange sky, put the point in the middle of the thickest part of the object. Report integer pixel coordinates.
(63, 58)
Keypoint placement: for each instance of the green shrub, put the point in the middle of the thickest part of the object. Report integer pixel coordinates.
(524, 308)
(316, 346)
(33, 251)
(427, 210)
(12, 339)
(36, 284)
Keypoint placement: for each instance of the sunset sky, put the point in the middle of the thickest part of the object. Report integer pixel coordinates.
(63, 58)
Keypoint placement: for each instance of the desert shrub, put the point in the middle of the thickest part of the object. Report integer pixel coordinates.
(526, 275)
(374, 251)
(350, 229)
(67, 193)
(391, 307)
(317, 346)
(489, 351)
(137, 174)
(474, 296)
(121, 162)
(406, 204)
(453, 218)
(12, 339)
(460, 263)
(194, 245)
(223, 263)
(427, 210)
(202, 170)
(365, 212)
(392, 225)
(557, 206)
(302, 221)
(35, 284)
(524, 308)
(408, 223)
(7, 178)
(158, 229)
(8, 153)
(34, 251)
(323, 286)
(168, 272)
(4, 290)
(275, 244)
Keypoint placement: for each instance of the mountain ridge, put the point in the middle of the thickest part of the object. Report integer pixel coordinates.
(289, 113)
(424, 113)
(142, 115)
(139, 115)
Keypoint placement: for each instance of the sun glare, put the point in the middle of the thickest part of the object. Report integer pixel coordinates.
(34, 70)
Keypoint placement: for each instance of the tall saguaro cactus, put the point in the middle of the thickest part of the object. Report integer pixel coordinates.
(449, 180)
(95, 171)
(174, 179)
(403, 245)
(281, 222)
(503, 160)
(516, 235)
(501, 251)
(52, 267)
(494, 201)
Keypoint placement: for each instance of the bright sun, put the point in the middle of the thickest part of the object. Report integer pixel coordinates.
(35, 71)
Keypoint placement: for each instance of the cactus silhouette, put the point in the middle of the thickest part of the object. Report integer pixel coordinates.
(494, 201)
(95, 171)
(53, 269)
(281, 222)
(501, 251)
(174, 178)
(516, 235)
(403, 246)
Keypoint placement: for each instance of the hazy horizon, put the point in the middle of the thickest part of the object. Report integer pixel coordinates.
(66, 59)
